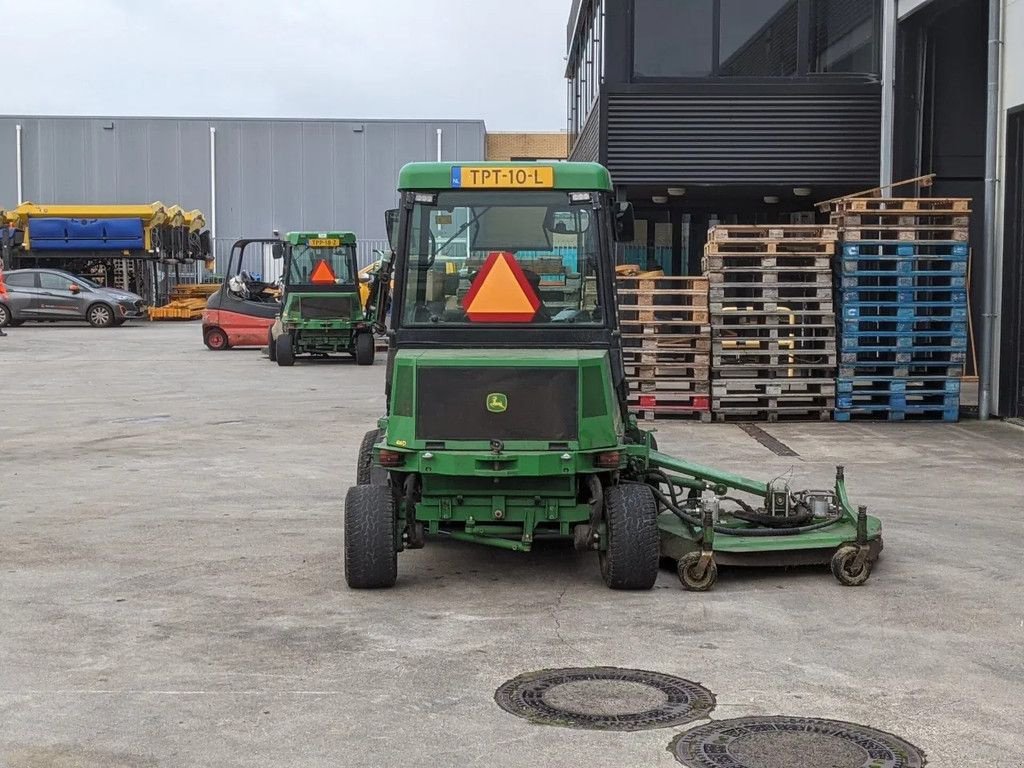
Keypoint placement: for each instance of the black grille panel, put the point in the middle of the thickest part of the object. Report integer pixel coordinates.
(326, 307)
(452, 403)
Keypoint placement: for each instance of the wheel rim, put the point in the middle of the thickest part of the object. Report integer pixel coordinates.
(215, 339)
(3, 316)
(100, 315)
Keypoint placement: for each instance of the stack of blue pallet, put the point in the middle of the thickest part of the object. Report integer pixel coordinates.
(903, 306)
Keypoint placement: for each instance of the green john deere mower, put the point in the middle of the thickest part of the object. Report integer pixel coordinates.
(506, 400)
(322, 312)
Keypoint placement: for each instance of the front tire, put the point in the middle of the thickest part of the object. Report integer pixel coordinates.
(285, 352)
(100, 316)
(364, 349)
(630, 560)
(371, 557)
(215, 339)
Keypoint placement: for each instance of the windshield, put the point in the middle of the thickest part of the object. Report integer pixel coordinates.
(503, 257)
(308, 266)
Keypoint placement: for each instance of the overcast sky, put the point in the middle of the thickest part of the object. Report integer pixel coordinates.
(490, 59)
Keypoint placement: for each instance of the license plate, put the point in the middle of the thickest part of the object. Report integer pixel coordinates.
(324, 242)
(471, 177)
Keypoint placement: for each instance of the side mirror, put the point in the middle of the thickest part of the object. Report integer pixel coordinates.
(74, 288)
(391, 223)
(625, 223)
(277, 250)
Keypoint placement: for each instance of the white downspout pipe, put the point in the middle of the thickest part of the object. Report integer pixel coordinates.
(213, 194)
(439, 145)
(988, 275)
(889, 18)
(17, 149)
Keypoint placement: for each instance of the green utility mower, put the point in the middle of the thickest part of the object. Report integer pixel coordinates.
(322, 311)
(506, 400)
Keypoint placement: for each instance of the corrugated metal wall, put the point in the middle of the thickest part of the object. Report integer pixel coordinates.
(756, 137)
(271, 174)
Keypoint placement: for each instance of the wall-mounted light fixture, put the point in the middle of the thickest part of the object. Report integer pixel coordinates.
(771, 199)
(659, 199)
(802, 191)
(677, 191)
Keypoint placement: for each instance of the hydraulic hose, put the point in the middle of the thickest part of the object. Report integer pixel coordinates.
(695, 521)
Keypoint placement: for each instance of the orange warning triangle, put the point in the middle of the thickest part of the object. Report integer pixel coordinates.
(322, 273)
(501, 293)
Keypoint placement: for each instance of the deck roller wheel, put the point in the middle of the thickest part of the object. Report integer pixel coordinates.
(697, 572)
(851, 565)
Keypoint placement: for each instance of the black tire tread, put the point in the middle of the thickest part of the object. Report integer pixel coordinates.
(371, 559)
(364, 465)
(364, 347)
(631, 515)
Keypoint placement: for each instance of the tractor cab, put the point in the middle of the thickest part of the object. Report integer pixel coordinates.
(322, 310)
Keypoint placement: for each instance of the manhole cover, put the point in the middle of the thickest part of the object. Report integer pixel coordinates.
(605, 698)
(792, 742)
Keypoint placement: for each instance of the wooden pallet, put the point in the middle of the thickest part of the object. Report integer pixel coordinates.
(179, 309)
(909, 234)
(666, 343)
(775, 262)
(772, 232)
(940, 204)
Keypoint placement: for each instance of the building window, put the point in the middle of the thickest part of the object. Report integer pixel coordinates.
(754, 38)
(673, 38)
(758, 37)
(845, 37)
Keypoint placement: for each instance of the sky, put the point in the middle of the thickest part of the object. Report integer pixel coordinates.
(468, 59)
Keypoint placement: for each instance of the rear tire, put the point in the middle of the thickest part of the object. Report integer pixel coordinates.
(364, 349)
(371, 557)
(216, 339)
(100, 316)
(271, 346)
(284, 352)
(630, 560)
(5, 316)
(366, 472)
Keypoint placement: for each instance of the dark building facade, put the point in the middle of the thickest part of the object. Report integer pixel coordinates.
(724, 110)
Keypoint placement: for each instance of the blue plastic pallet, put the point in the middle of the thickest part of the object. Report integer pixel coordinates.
(937, 326)
(928, 413)
(880, 370)
(899, 295)
(950, 249)
(869, 385)
(892, 282)
(860, 342)
(915, 311)
(890, 356)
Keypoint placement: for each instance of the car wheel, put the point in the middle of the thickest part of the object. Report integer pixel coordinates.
(100, 316)
(215, 339)
(5, 316)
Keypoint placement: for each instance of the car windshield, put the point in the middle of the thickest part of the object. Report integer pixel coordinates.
(309, 265)
(503, 257)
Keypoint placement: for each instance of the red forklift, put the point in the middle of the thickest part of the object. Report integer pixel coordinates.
(242, 310)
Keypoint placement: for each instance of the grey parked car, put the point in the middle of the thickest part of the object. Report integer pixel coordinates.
(50, 294)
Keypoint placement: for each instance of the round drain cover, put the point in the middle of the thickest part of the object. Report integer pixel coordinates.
(605, 698)
(792, 742)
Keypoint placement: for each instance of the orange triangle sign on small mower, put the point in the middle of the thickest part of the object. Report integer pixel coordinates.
(501, 293)
(322, 273)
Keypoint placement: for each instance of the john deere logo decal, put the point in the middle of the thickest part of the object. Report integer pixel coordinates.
(497, 402)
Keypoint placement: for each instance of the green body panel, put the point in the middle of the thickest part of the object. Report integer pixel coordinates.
(568, 176)
(524, 489)
(831, 538)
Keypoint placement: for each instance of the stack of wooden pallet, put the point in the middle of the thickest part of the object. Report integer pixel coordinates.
(666, 344)
(188, 300)
(772, 321)
(903, 281)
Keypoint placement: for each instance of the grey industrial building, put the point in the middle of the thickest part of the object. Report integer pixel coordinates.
(249, 176)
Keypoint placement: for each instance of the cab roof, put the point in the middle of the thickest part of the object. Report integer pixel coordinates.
(433, 176)
(347, 238)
